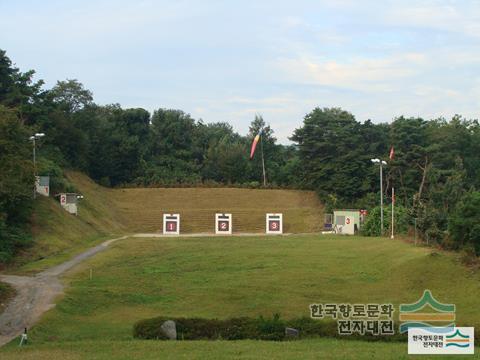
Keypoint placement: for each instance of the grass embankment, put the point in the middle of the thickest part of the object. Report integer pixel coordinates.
(144, 208)
(251, 276)
(58, 235)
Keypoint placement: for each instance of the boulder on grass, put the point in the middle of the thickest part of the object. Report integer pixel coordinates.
(169, 329)
(291, 332)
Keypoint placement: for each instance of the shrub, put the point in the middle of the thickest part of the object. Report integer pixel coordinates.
(270, 329)
(372, 224)
(246, 328)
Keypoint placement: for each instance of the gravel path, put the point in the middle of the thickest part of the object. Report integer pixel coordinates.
(36, 294)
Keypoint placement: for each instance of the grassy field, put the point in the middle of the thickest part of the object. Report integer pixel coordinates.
(107, 212)
(212, 350)
(241, 276)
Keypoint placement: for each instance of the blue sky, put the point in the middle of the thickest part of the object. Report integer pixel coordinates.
(227, 60)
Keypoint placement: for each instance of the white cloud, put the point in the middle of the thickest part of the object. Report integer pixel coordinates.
(359, 73)
(462, 17)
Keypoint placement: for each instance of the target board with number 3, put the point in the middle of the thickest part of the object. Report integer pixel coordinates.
(274, 223)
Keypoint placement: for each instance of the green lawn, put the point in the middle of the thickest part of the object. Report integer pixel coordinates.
(241, 276)
(211, 350)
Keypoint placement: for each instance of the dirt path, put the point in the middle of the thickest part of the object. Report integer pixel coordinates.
(36, 294)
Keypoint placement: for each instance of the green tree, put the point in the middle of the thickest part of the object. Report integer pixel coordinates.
(333, 154)
(16, 184)
(71, 95)
(464, 224)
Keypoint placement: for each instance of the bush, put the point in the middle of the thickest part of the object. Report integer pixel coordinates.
(13, 238)
(58, 182)
(205, 329)
(372, 224)
(270, 329)
(246, 328)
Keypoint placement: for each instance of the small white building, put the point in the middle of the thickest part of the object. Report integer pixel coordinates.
(69, 202)
(346, 221)
(42, 185)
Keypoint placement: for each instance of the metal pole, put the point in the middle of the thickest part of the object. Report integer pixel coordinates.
(34, 170)
(263, 163)
(381, 198)
(415, 236)
(393, 207)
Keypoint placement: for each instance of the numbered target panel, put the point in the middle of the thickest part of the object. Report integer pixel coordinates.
(274, 224)
(171, 224)
(223, 223)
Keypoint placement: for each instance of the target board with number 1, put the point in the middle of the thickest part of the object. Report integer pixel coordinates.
(171, 224)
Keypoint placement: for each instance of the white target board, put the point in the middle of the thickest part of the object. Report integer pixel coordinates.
(223, 224)
(274, 223)
(171, 224)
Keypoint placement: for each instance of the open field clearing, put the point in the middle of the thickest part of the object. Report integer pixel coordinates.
(225, 277)
(110, 212)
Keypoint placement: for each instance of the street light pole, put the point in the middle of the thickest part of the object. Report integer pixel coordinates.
(34, 138)
(381, 199)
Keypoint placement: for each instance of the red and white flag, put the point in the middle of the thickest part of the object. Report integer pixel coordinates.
(392, 153)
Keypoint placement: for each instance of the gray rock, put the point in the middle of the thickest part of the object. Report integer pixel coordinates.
(291, 332)
(169, 329)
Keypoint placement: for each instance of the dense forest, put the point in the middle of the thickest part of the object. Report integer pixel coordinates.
(435, 170)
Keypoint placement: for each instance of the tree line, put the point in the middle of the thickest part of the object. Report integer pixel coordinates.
(435, 169)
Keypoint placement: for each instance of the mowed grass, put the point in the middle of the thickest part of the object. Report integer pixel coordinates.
(212, 350)
(105, 213)
(241, 276)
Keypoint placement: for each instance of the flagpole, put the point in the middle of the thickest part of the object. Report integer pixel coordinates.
(393, 206)
(263, 162)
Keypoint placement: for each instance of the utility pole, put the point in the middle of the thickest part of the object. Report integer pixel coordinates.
(34, 138)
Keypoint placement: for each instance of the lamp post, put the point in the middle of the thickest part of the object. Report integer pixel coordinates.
(33, 138)
(382, 164)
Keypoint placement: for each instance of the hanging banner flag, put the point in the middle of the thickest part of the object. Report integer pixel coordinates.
(392, 153)
(254, 144)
